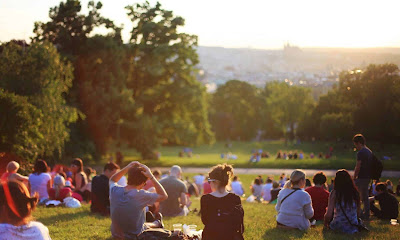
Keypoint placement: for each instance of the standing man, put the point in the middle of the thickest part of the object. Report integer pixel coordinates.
(177, 203)
(362, 172)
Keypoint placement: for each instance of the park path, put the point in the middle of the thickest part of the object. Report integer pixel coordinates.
(271, 171)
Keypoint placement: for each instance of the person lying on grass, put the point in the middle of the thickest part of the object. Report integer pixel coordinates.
(16, 207)
(128, 204)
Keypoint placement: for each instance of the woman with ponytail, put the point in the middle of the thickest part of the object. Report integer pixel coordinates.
(221, 211)
(16, 207)
(294, 204)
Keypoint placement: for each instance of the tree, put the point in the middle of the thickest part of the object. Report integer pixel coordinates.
(236, 110)
(41, 76)
(170, 103)
(287, 105)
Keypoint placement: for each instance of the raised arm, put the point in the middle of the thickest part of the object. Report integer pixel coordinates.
(162, 194)
(118, 175)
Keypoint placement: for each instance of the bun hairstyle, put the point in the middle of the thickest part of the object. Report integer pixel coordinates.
(295, 178)
(23, 203)
(223, 173)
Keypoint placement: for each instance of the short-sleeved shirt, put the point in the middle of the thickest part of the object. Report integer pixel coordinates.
(237, 188)
(174, 188)
(267, 191)
(128, 210)
(100, 195)
(38, 184)
(64, 192)
(32, 231)
(365, 156)
(319, 197)
(257, 190)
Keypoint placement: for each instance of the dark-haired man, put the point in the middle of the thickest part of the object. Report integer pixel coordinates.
(387, 202)
(319, 196)
(100, 190)
(362, 172)
(128, 215)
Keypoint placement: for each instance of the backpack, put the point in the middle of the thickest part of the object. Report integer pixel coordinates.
(160, 234)
(376, 168)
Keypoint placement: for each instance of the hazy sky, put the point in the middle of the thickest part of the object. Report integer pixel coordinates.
(244, 23)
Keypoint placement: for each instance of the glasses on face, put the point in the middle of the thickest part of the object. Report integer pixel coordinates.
(211, 180)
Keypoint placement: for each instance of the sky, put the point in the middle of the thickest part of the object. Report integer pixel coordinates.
(262, 24)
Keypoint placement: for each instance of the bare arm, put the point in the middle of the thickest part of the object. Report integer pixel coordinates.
(162, 194)
(49, 185)
(78, 182)
(21, 178)
(357, 169)
(183, 199)
(329, 212)
(118, 175)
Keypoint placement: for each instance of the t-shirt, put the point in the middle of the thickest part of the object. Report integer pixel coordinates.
(295, 210)
(39, 184)
(64, 192)
(199, 179)
(389, 205)
(319, 197)
(267, 191)
(365, 156)
(100, 195)
(206, 188)
(32, 231)
(174, 188)
(123, 182)
(128, 210)
(237, 188)
(257, 190)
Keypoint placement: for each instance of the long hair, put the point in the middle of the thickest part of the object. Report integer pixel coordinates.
(346, 190)
(79, 163)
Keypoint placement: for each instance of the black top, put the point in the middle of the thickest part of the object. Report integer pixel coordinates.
(365, 156)
(216, 215)
(398, 190)
(389, 205)
(100, 195)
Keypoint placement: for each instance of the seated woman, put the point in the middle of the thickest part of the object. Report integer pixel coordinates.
(11, 173)
(221, 211)
(256, 189)
(79, 178)
(16, 208)
(343, 205)
(294, 204)
(59, 192)
(40, 181)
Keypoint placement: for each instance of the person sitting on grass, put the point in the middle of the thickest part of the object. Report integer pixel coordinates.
(16, 207)
(266, 190)
(221, 211)
(389, 186)
(11, 173)
(100, 190)
(40, 181)
(294, 204)
(59, 192)
(344, 204)
(387, 202)
(256, 189)
(274, 192)
(79, 178)
(237, 187)
(319, 196)
(127, 204)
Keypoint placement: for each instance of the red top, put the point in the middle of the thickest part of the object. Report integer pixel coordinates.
(63, 193)
(206, 188)
(319, 197)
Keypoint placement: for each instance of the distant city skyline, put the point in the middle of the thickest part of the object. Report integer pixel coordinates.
(243, 24)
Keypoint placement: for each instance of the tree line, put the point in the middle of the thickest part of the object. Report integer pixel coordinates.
(71, 93)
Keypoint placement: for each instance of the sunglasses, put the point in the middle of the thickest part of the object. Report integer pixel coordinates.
(211, 180)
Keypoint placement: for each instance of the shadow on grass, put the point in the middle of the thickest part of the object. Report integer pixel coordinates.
(278, 233)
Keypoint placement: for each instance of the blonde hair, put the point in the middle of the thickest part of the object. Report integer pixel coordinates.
(12, 166)
(295, 178)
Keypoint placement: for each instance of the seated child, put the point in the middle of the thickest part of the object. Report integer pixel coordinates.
(387, 202)
(11, 173)
(274, 192)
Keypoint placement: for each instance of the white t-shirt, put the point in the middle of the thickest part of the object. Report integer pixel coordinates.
(295, 210)
(199, 179)
(39, 184)
(122, 182)
(32, 231)
(267, 192)
(237, 188)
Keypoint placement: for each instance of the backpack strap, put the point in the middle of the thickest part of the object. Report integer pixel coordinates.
(289, 195)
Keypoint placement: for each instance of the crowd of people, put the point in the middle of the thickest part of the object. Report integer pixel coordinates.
(137, 204)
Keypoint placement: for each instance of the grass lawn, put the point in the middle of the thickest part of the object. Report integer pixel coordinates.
(65, 223)
(209, 155)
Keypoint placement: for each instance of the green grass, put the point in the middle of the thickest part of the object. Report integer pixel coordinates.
(209, 155)
(259, 220)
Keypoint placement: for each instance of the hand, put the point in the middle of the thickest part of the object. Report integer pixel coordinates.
(147, 172)
(133, 164)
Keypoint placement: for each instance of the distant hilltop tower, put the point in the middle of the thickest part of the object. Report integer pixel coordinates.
(291, 50)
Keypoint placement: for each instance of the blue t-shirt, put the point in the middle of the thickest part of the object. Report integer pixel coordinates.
(127, 210)
(365, 156)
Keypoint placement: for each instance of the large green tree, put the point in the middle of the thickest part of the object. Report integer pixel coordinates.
(236, 110)
(41, 78)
